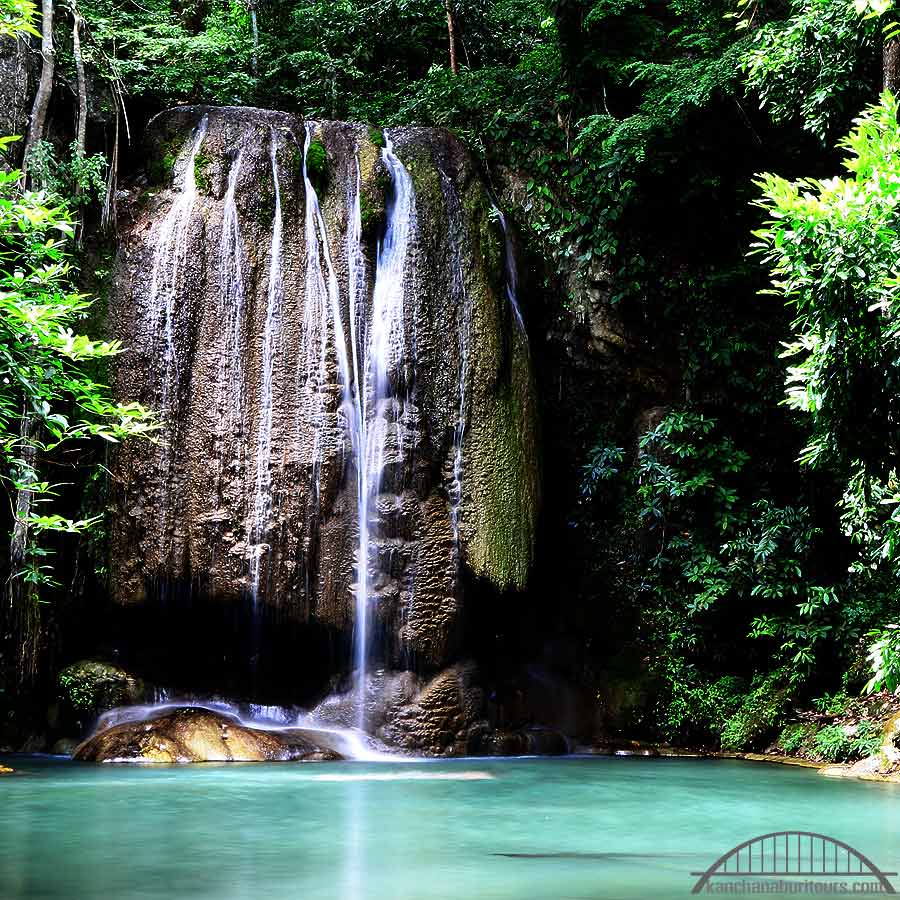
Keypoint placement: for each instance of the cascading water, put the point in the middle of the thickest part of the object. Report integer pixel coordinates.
(378, 354)
(262, 495)
(232, 304)
(512, 274)
(317, 417)
(323, 304)
(169, 256)
(356, 269)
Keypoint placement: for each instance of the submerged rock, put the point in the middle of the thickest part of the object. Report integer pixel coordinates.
(191, 734)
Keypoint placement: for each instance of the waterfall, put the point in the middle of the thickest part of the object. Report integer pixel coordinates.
(463, 303)
(232, 302)
(323, 304)
(356, 269)
(512, 274)
(378, 353)
(169, 257)
(262, 497)
(170, 253)
(388, 340)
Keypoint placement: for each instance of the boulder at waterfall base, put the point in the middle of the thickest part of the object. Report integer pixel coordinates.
(189, 734)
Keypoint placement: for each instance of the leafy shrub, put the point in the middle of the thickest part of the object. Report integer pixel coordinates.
(760, 714)
(884, 655)
(794, 737)
(78, 180)
(845, 743)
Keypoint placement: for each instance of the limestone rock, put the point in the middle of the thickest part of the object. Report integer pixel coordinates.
(189, 734)
(192, 306)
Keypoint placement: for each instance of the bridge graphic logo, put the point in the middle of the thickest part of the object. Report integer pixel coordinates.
(802, 861)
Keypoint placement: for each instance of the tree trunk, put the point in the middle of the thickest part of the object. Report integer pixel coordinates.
(254, 27)
(38, 122)
(23, 611)
(890, 66)
(82, 84)
(451, 34)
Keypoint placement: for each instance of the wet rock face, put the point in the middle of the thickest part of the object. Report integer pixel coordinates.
(243, 311)
(189, 735)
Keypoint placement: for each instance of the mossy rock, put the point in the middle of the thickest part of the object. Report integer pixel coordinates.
(89, 688)
(317, 166)
(160, 169)
(201, 172)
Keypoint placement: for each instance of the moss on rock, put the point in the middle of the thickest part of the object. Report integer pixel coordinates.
(161, 168)
(201, 172)
(89, 688)
(376, 136)
(501, 469)
(317, 165)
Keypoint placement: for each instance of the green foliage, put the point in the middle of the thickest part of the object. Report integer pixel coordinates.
(794, 737)
(715, 542)
(760, 714)
(844, 743)
(48, 398)
(201, 164)
(846, 740)
(712, 547)
(78, 180)
(814, 64)
(884, 656)
(317, 165)
(833, 248)
(18, 17)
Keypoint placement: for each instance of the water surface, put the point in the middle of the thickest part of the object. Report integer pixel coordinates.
(539, 829)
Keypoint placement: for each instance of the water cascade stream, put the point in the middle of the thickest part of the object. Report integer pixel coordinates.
(323, 305)
(262, 495)
(512, 274)
(169, 258)
(170, 252)
(230, 404)
(383, 355)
